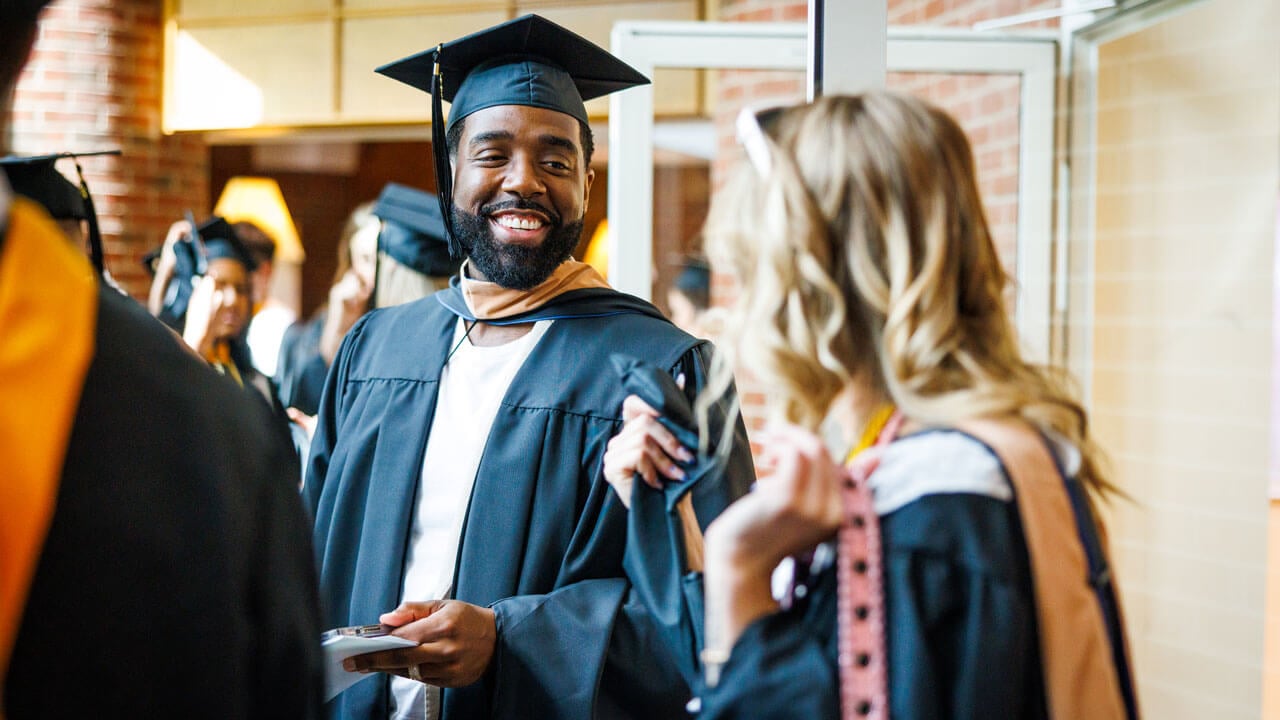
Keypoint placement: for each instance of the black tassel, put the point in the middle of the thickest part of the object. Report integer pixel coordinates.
(96, 254)
(440, 153)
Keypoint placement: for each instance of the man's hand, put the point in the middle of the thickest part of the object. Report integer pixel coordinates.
(645, 447)
(456, 641)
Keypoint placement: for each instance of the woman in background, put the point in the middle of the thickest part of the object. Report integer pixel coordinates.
(874, 299)
(308, 347)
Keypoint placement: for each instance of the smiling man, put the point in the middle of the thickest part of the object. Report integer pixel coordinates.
(455, 474)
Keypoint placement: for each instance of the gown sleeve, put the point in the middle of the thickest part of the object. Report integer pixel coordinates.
(620, 647)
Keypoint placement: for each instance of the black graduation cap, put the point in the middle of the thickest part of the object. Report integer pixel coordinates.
(413, 230)
(527, 61)
(37, 179)
(221, 241)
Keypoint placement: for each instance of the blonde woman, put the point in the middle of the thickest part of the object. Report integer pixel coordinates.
(874, 299)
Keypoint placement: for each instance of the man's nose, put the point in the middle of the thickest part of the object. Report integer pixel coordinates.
(522, 178)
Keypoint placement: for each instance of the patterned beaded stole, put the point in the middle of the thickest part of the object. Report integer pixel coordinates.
(863, 678)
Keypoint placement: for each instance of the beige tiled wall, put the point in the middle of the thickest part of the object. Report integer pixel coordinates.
(1271, 675)
(1172, 324)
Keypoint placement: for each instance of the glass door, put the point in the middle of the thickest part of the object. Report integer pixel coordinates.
(1001, 88)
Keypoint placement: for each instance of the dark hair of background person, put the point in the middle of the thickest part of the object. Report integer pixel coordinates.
(256, 241)
(694, 282)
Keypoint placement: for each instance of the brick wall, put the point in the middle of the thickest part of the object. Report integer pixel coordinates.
(94, 83)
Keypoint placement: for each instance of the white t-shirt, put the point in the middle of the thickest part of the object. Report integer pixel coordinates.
(266, 332)
(472, 385)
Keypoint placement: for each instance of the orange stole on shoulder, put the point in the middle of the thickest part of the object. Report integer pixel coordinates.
(48, 314)
(491, 301)
(1081, 679)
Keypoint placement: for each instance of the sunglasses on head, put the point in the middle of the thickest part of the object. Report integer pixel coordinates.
(754, 128)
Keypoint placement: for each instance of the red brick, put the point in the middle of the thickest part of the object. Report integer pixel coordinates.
(795, 13)
(95, 82)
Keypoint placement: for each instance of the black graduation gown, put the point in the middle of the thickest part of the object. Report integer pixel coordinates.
(176, 578)
(960, 626)
(544, 535)
(301, 370)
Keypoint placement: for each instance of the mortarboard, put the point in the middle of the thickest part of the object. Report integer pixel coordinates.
(527, 61)
(36, 179)
(220, 241)
(413, 230)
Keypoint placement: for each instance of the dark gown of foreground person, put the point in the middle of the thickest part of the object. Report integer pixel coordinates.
(175, 579)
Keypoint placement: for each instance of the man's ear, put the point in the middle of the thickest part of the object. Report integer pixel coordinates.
(586, 189)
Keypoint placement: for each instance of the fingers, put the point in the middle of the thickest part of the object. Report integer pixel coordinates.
(456, 642)
(303, 420)
(633, 407)
(364, 287)
(801, 465)
(646, 448)
(176, 232)
(639, 418)
(781, 439)
(200, 310)
(409, 612)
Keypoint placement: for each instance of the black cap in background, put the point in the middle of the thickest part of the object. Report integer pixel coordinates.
(221, 242)
(413, 231)
(37, 179)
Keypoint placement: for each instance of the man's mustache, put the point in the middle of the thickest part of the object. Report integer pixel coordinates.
(520, 204)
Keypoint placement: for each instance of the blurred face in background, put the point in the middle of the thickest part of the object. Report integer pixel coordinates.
(231, 298)
(364, 251)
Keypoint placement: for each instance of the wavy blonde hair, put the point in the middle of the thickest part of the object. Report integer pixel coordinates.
(864, 258)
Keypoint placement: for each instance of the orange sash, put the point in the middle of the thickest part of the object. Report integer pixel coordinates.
(48, 312)
(1081, 677)
(491, 301)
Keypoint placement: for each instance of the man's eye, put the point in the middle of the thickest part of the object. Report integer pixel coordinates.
(557, 165)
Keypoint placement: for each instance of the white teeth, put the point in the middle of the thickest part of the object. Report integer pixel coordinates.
(519, 222)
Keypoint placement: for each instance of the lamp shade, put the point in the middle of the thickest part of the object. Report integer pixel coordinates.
(258, 200)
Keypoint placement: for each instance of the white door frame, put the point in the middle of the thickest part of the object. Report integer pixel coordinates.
(647, 45)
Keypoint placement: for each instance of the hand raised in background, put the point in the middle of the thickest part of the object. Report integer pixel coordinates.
(348, 301)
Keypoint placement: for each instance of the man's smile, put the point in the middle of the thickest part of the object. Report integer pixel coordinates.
(520, 225)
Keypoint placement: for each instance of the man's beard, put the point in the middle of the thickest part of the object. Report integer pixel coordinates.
(518, 267)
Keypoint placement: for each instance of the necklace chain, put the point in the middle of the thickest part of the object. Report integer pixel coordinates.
(465, 335)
